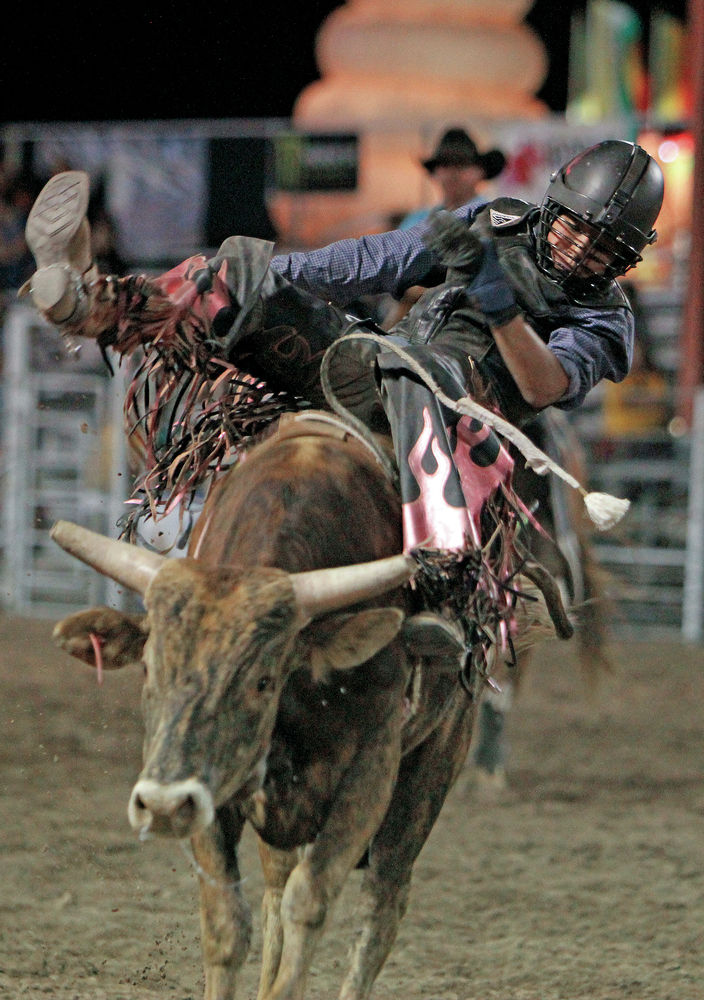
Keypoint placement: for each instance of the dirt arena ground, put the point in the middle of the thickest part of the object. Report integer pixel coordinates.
(584, 879)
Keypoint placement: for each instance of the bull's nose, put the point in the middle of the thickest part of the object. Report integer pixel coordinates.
(171, 809)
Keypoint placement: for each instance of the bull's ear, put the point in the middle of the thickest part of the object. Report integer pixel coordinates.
(346, 640)
(119, 637)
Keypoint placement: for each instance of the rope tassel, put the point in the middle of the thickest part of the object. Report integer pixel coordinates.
(603, 510)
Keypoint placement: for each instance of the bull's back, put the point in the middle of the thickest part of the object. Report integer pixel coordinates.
(300, 503)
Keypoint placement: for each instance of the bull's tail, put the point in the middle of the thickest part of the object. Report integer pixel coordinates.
(593, 618)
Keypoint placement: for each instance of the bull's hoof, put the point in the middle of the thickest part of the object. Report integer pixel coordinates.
(491, 781)
(485, 786)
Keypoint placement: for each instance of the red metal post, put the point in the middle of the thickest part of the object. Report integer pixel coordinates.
(691, 373)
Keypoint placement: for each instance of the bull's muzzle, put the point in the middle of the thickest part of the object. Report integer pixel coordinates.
(174, 809)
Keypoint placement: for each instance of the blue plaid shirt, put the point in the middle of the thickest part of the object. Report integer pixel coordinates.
(590, 343)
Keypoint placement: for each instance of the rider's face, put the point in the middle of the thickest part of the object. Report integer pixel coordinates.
(573, 247)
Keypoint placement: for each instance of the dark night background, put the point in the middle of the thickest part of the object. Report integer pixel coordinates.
(125, 64)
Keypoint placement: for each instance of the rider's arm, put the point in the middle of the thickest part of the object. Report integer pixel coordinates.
(371, 265)
(590, 345)
(536, 370)
(585, 344)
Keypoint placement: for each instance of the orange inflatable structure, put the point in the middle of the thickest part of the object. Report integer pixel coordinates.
(397, 73)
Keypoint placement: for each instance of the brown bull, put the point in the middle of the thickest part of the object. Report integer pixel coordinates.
(283, 692)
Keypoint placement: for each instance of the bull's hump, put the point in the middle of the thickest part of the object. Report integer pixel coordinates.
(301, 505)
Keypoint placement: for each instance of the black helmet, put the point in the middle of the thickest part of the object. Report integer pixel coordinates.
(612, 192)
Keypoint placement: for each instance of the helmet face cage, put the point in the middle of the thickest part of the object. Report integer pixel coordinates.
(577, 264)
(598, 215)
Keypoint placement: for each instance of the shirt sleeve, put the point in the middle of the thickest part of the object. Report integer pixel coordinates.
(371, 265)
(593, 345)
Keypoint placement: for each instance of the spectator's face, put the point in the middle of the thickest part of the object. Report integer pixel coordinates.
(578, 248)
(458, 184)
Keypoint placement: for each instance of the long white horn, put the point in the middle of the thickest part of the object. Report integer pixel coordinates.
(122, 562)
(321, 590)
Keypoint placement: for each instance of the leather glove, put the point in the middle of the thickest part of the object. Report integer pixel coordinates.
(453, 242)
(462, 250)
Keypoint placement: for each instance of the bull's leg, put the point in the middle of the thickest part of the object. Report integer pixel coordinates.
(491, 750)
(425, 777)
(225, 919)
(276, 866)
(316, 881)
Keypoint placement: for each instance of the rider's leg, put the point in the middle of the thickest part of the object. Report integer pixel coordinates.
(58, 235)
(231, 307)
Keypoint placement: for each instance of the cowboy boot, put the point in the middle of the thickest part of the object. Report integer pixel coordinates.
(58, 235)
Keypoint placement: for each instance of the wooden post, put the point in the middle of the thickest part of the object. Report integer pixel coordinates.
(691, 373)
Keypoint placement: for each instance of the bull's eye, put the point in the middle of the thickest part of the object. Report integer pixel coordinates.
(263, 683)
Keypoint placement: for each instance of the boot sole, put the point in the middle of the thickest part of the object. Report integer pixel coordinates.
(56, 216)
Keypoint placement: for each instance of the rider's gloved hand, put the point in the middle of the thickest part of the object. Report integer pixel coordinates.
(489, 289)
(462, 250)
(453, 242)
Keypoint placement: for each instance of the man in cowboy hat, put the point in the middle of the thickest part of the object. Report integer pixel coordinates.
(459, 169)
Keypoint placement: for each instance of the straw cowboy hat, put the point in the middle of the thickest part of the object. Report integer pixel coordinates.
(457, 149)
